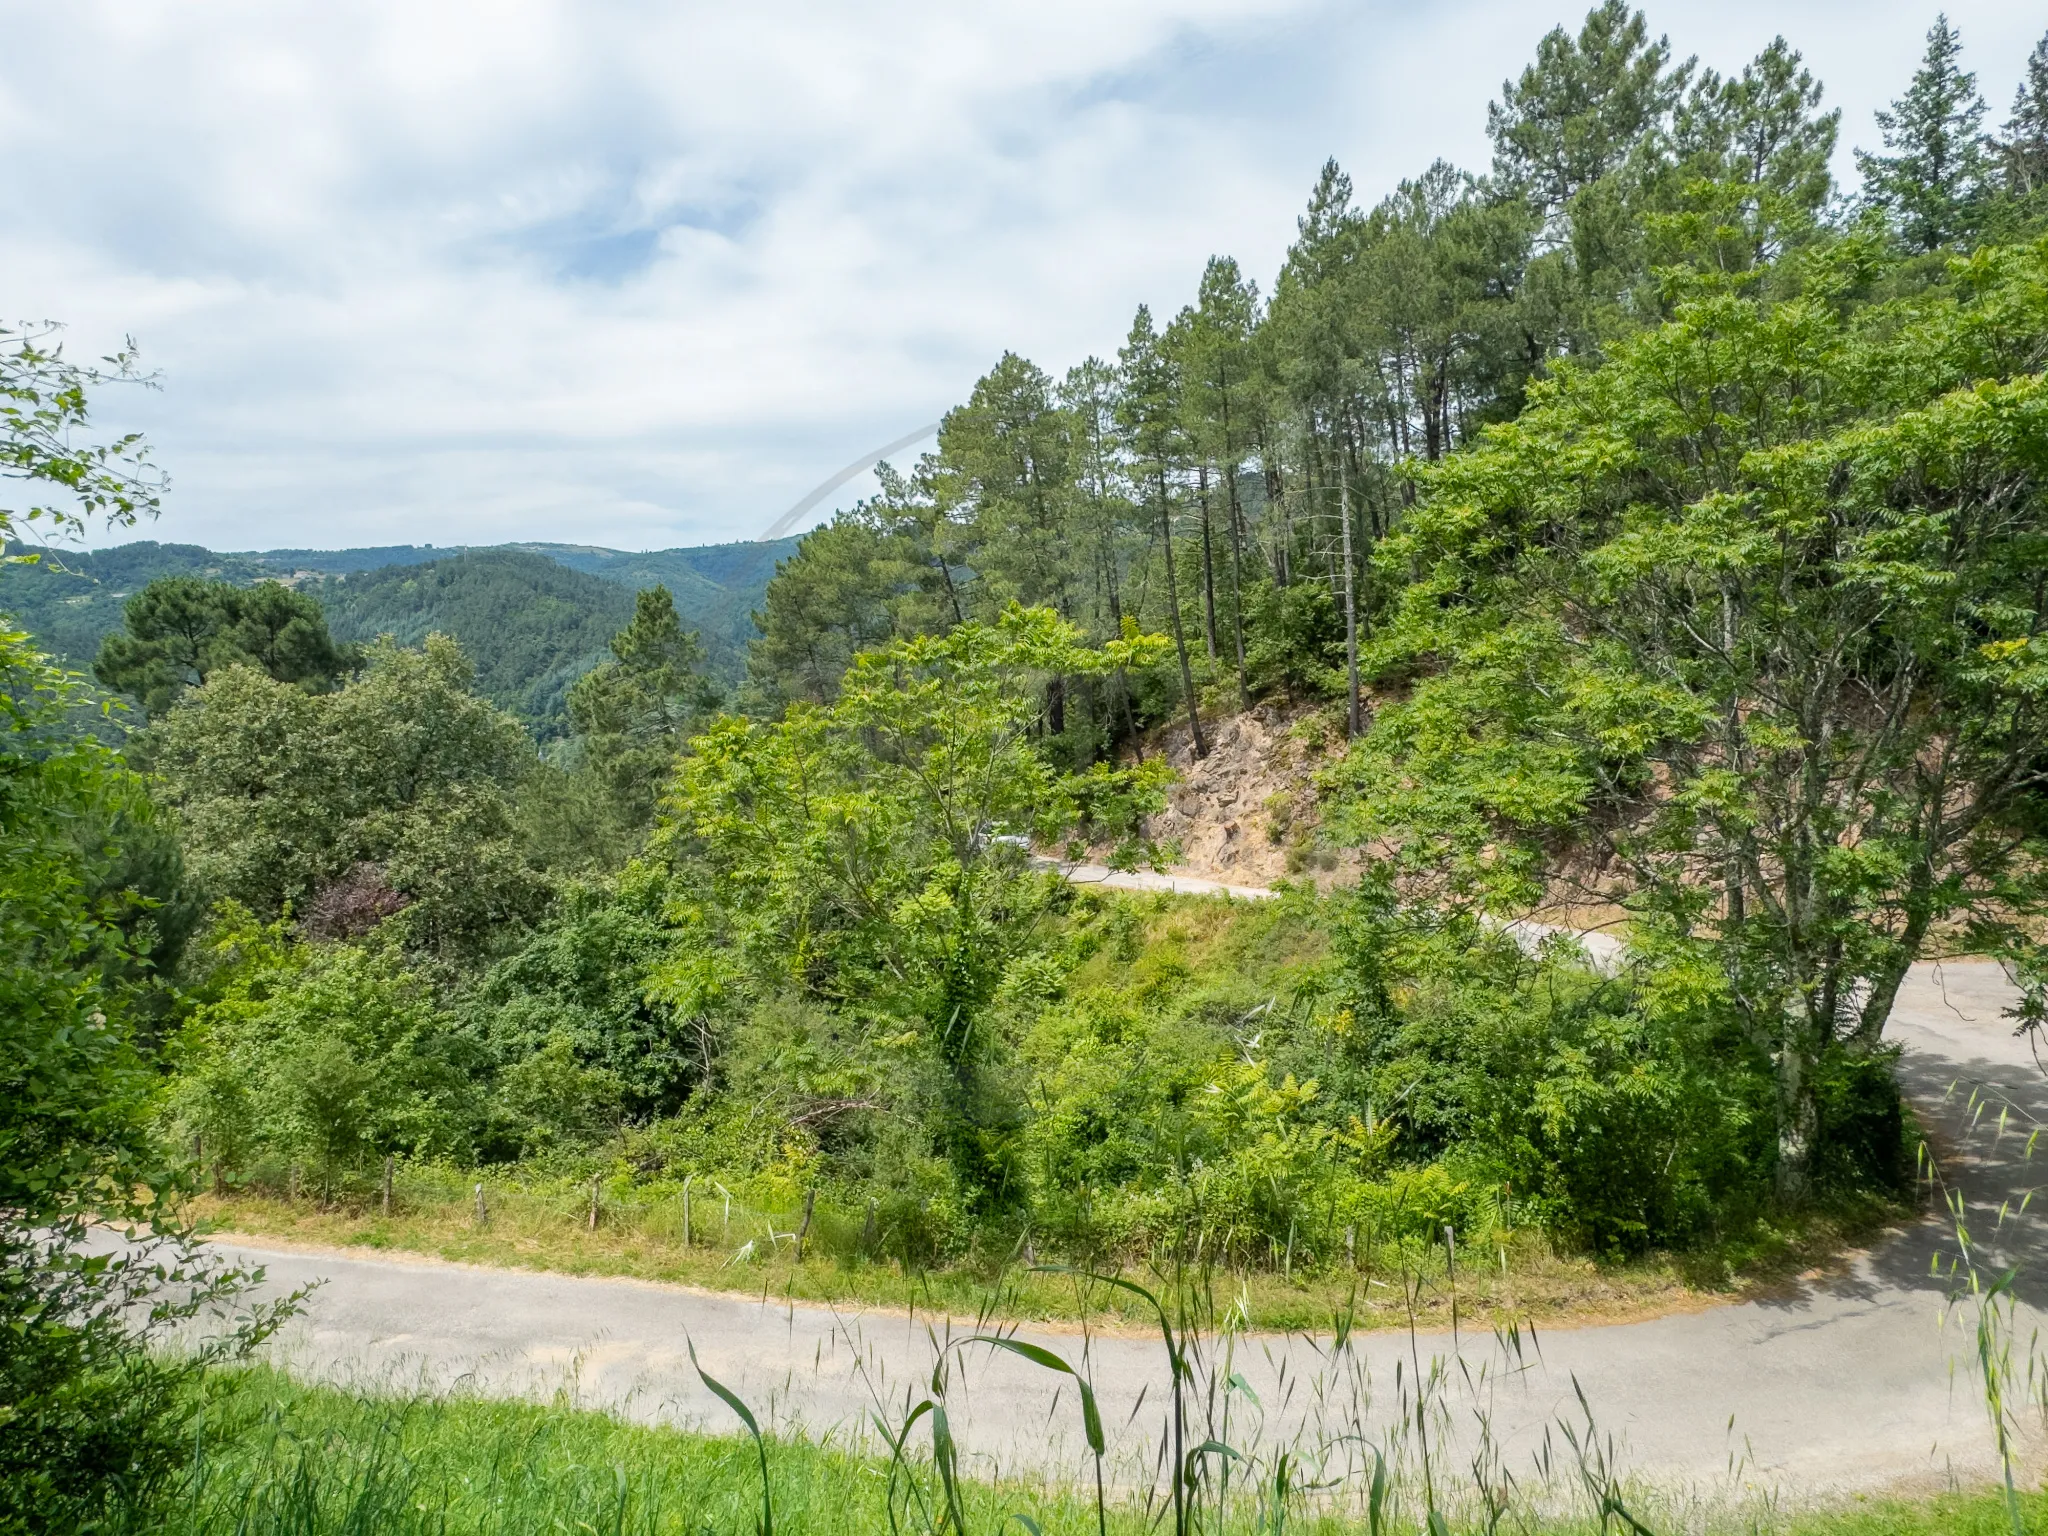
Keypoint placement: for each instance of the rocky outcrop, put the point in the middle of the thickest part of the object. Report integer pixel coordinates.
(1247, 813)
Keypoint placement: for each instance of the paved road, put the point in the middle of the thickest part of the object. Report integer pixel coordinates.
(1847, 1382)
(1603, 949)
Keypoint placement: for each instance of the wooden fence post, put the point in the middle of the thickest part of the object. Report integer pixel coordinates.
(686, 1209)
(483, 1215)
(388, 1161)
(593, 1202)
(804, 1231)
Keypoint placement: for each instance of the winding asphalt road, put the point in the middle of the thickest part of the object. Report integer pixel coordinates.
(1857, 1380)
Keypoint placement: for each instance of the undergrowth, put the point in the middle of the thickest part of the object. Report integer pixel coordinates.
(1160, 1000)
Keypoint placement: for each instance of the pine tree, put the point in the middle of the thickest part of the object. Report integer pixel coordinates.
(1932, 182)
(1762, 128)
(1220, 406)
(1582, 109)
(2023, 152)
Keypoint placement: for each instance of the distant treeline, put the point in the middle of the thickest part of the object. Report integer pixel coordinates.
(535, 616)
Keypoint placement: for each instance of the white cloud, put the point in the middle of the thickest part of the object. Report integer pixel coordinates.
(640, 274)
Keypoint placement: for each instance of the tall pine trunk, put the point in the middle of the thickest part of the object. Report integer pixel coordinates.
(1276, 500)
(1180, 638)
(1116, 624)
(1244, 696)
(1208, 565)
(1351, 719)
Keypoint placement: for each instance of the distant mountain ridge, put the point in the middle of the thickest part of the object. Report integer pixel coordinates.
(534, 616)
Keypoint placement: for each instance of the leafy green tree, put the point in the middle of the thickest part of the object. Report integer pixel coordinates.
(44, 414)
(634, 712)
(552, 1098)
(862, 854)
(94, 1418)
(182, 629)
(331, 1054)
(583, 978)
(404, 779)
(1932, 180)
(1297, 648)
(93, 1413)
(1743, 629)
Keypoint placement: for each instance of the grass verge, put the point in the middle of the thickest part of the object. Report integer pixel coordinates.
(1518, 1275)
(276, 1458)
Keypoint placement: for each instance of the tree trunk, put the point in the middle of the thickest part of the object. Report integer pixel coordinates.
(1180, 638)
(1208, 565)
(952, 593)
(1244, 696)
(1798, 1115)
(1116, 623)
(1276, 498)
(1351, 719)
(1884, 986)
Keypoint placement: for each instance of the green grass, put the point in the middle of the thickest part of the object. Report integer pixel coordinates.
(276, 1458)
(539, 1227)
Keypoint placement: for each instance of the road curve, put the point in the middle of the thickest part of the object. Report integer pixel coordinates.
(1149, 880)
(1848, 1382)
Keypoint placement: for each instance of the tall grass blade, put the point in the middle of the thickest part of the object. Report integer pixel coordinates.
(1178, 1367)
(731, 1400)
(1091, 1415)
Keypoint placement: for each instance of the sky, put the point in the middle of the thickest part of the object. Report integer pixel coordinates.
(640, 275)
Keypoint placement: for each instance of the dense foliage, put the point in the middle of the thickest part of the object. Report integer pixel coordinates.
(92, 1417)
(182, 629)
(531, 627)
(390, 797)
(1639, 524)
(1743, 628)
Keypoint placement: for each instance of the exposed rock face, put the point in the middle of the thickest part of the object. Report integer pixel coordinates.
(1247, 813)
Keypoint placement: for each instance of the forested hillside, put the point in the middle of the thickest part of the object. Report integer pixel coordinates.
(532, 626)
(72, 601)
(529, 611)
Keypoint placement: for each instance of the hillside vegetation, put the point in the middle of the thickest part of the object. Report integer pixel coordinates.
(1643, 522)
(533, 627)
